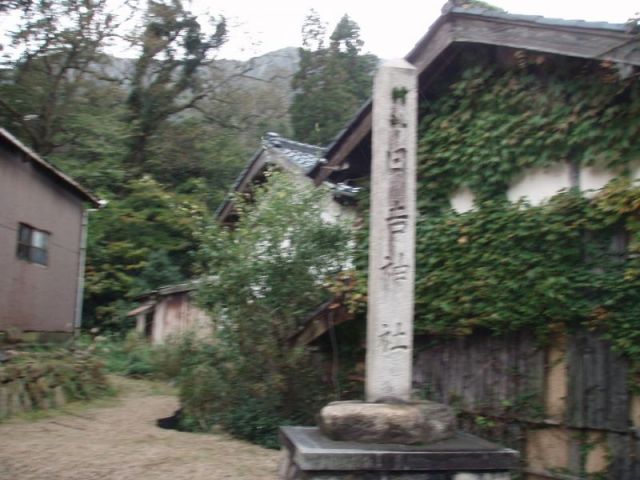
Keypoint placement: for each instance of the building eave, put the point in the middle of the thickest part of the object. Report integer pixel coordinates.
(275, 150)
(61, 178)
(458, 25)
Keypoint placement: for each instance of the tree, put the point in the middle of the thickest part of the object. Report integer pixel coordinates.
(93, 146)
(56, 53)
(159, 271)
(266, 276)
(124, 238)
(195, 157)
(15, 5)
(332, 81)
(308, 250)
(165, 80)
(346, 46)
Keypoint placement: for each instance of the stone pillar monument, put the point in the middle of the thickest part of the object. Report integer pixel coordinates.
(392, 233)
(389, 414)
(391, 436)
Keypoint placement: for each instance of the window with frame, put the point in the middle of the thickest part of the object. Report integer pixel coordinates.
(32, 244)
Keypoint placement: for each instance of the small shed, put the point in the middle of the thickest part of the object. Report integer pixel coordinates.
(170, 311)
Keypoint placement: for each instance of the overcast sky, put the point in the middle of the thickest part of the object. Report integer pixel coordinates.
(390, 28)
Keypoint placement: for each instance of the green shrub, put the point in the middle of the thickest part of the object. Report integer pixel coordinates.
(249, 396)
(129, 356)
(44, 377)
(270, 272)
(178, 352)
(134, 356)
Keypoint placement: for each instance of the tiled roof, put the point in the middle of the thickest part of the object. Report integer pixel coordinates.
(301, 155)
(555, 22)
(277, 149)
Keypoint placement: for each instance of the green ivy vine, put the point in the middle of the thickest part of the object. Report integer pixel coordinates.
(505, 267)
(492, 123)
(571, 262)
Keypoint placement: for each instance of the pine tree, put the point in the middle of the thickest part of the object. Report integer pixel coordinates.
(332, 81)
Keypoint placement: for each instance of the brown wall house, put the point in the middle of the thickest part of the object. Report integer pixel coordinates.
(42, 213)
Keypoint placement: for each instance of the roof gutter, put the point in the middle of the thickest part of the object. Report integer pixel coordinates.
(77, 321)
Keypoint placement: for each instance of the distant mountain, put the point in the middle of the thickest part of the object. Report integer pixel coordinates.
(260, 89)
(281, 63)
(254, 94)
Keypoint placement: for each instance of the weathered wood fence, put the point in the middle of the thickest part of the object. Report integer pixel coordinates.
(566, 406)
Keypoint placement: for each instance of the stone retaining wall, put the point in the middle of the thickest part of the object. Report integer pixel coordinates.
(44, 380)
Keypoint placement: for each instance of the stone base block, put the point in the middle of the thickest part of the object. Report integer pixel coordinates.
(407, 423)
(309, 455)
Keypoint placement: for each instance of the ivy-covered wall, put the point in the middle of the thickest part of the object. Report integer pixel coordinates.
(490, 124)
(549, 270)
(544, 271)
(504, 266)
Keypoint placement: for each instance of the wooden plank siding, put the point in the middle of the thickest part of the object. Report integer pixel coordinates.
(598, 395)
(625, 459)
(483, 372)
(498, 385)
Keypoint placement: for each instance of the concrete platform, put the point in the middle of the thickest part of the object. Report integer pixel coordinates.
(311, 455)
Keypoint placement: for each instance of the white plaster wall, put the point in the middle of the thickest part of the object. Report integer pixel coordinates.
(592, 179)
(462, 200)
(333, 212)
(540, 184)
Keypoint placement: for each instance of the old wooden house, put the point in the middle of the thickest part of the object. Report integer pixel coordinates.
(43, 221)
(299, 160)
(171, 311)
(568, 405)
(296, 158)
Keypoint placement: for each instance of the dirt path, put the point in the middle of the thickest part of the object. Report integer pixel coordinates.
(120, 441)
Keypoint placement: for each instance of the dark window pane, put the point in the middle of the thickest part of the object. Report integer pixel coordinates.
(24, 234)
(39, 255)
(23, 251)
(32, 244)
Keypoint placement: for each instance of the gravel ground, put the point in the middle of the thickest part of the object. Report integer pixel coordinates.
(118, 440)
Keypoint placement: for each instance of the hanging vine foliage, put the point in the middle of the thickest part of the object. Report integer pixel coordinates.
(507, 266)
(503, 267)
(492, 123)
